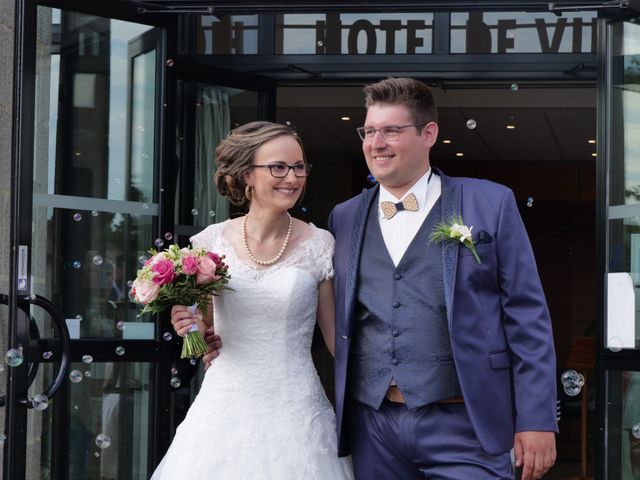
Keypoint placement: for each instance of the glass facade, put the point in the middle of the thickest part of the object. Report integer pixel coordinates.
(94, 202)
(623, 324)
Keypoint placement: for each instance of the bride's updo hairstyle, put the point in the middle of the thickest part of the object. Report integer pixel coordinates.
(234, 156)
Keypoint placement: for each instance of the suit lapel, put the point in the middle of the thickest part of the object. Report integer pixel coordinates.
(355, 251)
(451, 200)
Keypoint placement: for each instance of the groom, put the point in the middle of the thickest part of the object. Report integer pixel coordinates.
(444, 362)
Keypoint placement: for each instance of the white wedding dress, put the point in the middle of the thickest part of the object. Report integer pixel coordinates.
(261, 412)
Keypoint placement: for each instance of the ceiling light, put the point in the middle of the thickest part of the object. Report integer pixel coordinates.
(459, 154)
(446, 141)
(594, 154)
(345, 118)
(511, 127)
(591, 140)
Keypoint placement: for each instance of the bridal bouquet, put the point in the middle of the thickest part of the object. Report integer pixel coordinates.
(181, 276)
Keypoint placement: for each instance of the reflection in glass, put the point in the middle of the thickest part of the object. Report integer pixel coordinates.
(40, 422)
(88, 269)
(624, 256)
(108, 417)
(623, 415)
(209, 113)
(142, 127)
(94, 165)
(625, 115)
(523, 32)
(624, 155)
(81, 138)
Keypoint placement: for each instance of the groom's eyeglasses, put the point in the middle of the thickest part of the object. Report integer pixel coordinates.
(389, 134)
(281, 170)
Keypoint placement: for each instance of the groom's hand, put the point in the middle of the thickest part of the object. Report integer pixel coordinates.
(214, 343)
(535, 453)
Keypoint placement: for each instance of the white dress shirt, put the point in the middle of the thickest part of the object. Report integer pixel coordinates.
(399, 230)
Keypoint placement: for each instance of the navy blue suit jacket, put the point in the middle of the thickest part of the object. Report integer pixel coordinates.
(499, 323)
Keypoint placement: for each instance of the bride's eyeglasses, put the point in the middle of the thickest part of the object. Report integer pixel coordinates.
(281, 170)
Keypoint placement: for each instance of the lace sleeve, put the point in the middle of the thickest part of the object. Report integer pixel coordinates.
(324, 247)
(206, 238)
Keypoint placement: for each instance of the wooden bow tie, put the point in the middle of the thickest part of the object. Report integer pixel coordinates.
(389, 209)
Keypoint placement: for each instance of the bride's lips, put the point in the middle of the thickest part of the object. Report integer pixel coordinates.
(287, 192)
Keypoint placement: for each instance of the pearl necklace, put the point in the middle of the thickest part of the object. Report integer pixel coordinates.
(280, 253)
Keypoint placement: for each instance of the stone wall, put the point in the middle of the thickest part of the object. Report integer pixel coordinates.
(7, 8)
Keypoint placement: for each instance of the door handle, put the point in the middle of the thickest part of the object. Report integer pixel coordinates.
(34, 332)
(59, 321)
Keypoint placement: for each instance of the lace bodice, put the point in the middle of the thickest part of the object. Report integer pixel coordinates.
(267, 319)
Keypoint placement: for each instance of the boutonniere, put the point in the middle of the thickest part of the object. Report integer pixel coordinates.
(455, 232)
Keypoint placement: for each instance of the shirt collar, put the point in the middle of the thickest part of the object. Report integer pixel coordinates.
(419, 189)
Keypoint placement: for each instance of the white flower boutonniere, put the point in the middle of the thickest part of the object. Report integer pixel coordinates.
(455, 232)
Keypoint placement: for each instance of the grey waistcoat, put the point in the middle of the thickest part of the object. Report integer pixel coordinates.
(400, 330)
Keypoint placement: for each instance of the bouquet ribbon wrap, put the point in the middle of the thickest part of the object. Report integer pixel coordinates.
(193, 344)
(193, 309)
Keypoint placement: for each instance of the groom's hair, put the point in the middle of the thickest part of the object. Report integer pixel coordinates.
(409, 92)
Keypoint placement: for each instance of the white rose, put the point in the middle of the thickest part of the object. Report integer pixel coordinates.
(465, 233)
(145, 291)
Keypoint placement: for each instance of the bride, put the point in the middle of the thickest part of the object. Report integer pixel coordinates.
(261, 412)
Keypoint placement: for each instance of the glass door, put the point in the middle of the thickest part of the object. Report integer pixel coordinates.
(619, 172)
(87, 212)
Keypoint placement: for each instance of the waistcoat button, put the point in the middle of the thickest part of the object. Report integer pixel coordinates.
(395, 333)
(395, 361)
(397, 276)
(395, 304)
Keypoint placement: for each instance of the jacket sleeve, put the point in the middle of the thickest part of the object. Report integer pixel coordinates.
(527, 323)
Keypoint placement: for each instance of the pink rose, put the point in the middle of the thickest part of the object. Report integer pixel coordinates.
(215, 258)
(164, 272)
(206, 271)
(145, 291)
(189, 265)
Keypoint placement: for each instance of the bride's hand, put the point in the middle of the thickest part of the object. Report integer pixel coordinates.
(182, 319)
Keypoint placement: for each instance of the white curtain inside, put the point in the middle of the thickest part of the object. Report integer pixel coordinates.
(212, 124)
